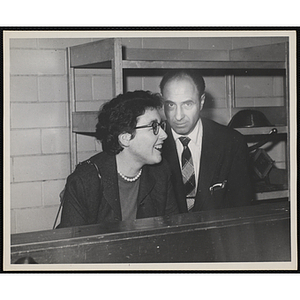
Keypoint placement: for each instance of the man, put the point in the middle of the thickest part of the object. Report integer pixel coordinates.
(128, 180)
(209, 161)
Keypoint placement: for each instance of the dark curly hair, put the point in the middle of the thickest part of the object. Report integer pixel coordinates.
(120, 115)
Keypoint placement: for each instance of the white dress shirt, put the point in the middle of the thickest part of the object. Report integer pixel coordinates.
(195, 146)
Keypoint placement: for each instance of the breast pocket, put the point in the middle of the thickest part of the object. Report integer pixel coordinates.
(218, 192)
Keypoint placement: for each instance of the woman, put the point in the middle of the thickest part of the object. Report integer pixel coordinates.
(128, 180)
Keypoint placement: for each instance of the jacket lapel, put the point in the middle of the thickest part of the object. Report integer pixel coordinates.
(146, 185)
(109, 178)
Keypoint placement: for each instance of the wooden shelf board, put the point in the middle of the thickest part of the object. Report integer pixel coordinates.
(99, 54)
(133, 54)
(96, 65)
(228, 65)
(274, 52)
(85, 122)
(261, 130)
(92, 53)
(218, 65)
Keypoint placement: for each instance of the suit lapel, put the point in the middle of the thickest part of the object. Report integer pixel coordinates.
(209, 158)
(170, 153)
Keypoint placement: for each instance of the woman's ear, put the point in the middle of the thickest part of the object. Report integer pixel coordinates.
(124, 139)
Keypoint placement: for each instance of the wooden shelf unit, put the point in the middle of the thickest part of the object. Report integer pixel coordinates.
(111, 54)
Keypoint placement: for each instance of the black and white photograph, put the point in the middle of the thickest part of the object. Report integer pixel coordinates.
(150, 150)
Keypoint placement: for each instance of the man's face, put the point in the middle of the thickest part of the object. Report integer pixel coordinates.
(182, 104)
(145, 146)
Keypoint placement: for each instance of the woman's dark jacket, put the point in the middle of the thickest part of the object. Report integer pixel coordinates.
(88, 199)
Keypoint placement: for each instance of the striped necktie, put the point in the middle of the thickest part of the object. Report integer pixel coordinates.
(188, 173)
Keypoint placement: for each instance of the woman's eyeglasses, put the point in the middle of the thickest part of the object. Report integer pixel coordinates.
(155, 126)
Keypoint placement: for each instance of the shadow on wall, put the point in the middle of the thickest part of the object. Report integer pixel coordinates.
(213, 111)
(209, 101)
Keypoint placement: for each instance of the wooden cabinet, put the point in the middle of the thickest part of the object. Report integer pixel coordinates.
(110, 54)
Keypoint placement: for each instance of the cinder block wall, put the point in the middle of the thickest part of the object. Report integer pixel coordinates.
(40, 150)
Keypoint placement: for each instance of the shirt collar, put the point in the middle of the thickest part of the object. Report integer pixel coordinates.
(195, 135)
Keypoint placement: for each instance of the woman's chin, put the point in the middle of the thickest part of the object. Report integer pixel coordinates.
(157, 159)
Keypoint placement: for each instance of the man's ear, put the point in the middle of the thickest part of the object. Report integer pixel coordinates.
(202, 100)
(124, 139)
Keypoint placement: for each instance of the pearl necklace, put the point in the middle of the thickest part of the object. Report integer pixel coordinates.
(131, 179)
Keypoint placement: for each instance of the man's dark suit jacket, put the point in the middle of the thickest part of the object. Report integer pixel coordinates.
(224, 159)
(91, 200)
